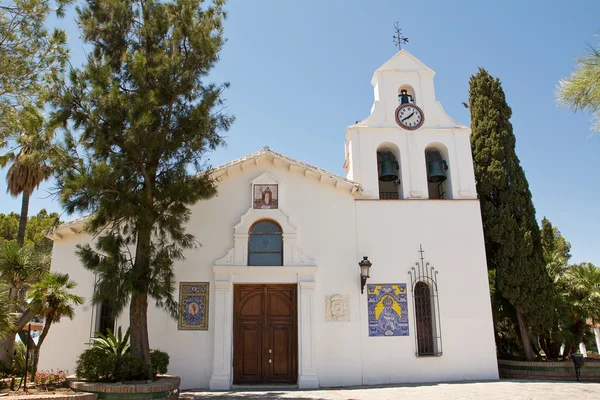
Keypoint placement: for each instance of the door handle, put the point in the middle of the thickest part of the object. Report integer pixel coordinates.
(270, 361)
(270, 351)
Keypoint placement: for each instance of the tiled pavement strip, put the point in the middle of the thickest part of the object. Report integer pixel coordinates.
(497, 390)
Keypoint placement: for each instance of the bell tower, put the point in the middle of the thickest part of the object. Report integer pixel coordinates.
(408, 147)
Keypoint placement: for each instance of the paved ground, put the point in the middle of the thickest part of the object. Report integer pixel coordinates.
(498, 390)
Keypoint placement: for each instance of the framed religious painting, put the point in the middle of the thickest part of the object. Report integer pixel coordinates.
(387, 309)
(265, 196)
(193, 306)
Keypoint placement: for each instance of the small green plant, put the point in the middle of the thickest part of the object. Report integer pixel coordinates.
(109, 359)
(117, 344)
(160, 362)
(95, 364)
(130, 368)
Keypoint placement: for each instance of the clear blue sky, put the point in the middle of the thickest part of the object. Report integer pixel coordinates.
(300, 73)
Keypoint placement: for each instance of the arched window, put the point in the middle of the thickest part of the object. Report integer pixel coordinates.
(428, 324)
(265, 244)
(424, 319)
(438, 182)
(388, 172)
(406, 94)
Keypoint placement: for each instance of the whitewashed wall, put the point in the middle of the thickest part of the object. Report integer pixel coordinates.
(330, 222)
(390, 233)
(337, 226)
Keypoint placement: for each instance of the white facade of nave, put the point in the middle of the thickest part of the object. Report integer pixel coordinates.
(329, 223)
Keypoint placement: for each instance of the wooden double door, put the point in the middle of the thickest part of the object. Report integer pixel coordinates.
(265, 334)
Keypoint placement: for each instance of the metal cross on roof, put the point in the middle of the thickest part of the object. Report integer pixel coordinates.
(399, 40)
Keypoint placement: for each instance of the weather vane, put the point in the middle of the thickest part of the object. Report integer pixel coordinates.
(399, 40)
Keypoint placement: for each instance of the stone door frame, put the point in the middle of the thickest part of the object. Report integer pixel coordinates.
(225, 278)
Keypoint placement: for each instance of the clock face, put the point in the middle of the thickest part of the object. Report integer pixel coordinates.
(409, 116)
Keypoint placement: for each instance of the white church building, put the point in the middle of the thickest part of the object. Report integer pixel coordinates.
(275, 295)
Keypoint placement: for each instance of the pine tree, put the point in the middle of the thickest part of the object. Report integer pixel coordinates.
(145, 118)
(581, 90)
(512, 236)
(31, 58)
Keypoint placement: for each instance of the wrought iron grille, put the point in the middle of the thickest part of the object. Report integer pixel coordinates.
(428, 337)
(441, 188)
(388, 196)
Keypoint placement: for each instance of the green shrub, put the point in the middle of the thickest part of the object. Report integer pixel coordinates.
(160, 362)
(19, 359)
(131, 368)
(95, 364)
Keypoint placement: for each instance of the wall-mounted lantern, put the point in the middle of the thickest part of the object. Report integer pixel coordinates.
(365, 268)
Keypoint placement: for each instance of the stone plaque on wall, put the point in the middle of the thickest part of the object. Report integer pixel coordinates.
(337, 308)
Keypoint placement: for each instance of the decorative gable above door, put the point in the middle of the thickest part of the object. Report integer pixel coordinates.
(267, 198)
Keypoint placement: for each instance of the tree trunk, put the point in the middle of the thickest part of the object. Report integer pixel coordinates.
(23, 219)
(7, 344)
(527, 347)
(138, 326)
(138, 310)
(36, 351)
(7, 348)
(23, 319)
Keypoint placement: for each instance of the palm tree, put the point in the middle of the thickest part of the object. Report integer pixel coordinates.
(51, 299)
(29, 160)
(581, 90)
(19, 267)
(582, 283)
(6, 318)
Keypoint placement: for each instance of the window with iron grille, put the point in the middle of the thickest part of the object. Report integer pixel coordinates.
(265, 244)
(106, 318)
(424, 319)
(428, 336)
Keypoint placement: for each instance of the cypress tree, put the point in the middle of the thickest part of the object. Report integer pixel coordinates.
(512, 236)
(145, 119)
(554, 245)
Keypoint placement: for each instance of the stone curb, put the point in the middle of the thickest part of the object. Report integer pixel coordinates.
(76, 396)
(165, 387)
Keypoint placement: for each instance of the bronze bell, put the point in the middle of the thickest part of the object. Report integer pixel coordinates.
(388, 164)
(437, 167)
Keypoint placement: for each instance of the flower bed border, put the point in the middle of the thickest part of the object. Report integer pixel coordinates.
(70, 396)
(548, 370)
(165, 387)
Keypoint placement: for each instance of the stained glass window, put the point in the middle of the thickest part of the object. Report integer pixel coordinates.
(265, 245)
